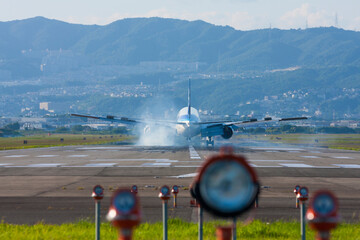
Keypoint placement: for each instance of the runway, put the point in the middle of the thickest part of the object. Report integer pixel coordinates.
(54, 185)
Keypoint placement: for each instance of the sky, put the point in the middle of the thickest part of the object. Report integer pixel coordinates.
(239, 14)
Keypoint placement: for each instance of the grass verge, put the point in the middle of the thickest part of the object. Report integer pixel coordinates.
(335, 141)
(178, 229)
(44, 140)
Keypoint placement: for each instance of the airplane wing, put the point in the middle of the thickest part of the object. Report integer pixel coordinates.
(226, 128)
(265, 120)
(130, 121)
(251, 121)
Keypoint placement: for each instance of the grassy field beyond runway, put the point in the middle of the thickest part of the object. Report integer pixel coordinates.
(177, 230)
(45, 140)
(335, 141)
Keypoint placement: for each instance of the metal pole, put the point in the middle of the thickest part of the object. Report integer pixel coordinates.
(165, 220)
(234, 229)
(302, 220)
(223, 233)
(256, 202)
(323, 236)
(200, 231)
(175, 202)
(97, 219)
(125, 234)
(297, 202)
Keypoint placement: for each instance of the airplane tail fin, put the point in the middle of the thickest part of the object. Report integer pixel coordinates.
(189, 99)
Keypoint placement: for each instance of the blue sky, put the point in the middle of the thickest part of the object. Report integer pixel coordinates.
(240, 14)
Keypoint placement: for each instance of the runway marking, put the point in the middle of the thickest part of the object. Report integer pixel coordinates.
(156, 164)
(277, 149)
(271, 151)
(47, 156)
(44, 165)
(78, 156)
(105, 148)
(269, 166)
(136, 160)
(100, 165)
(164, 164)
(310, 156)
(193, 153)
(343, 157)
(186, 175)
(134, 166)
(347, 165)
(16, 156)
(184, 166)
(192, 161)
(296, 165)
(275, 161)
(156, 151)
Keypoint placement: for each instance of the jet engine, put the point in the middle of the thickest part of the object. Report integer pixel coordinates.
(228, 132)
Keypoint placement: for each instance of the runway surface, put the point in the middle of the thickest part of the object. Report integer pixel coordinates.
(54, 185)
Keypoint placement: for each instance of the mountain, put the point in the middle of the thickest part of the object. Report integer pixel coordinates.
(271, 71)
(136, 40)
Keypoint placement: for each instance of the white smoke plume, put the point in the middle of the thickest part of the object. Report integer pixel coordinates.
(158, 109)
(156, 135)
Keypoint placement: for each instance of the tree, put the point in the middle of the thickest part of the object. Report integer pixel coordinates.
(12, 126)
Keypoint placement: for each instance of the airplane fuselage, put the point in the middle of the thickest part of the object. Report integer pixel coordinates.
(188, 129)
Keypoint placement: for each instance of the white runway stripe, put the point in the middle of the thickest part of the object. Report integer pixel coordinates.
(347, 165)
(47, 156)
(296, 165)
(156, 164)
(184, 166)
(134, 160)
(44, 165)
(193, 153)
(277, 149)
(77, 156)
(340, 157)
(100, 165)
(190, 175)
(310, 156)
(275, 161)
(269, 166)
(16, 156)
(103, 165)
(105, 148)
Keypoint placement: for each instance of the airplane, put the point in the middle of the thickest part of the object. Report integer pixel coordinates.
(189, 125)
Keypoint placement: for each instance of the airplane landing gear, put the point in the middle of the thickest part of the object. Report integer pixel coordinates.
(209, 141)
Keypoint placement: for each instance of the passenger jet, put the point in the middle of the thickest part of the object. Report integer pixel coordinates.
(188, 123)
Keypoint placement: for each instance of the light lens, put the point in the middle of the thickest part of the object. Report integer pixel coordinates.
(227, 186)
(124, 202)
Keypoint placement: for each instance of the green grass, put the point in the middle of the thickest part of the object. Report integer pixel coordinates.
(44, 140)
(178, 230)
(335, 141)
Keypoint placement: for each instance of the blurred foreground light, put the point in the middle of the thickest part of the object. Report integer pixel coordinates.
(111, 215)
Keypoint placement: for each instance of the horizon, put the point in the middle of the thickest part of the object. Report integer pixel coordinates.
(195, 20)
(241, 15)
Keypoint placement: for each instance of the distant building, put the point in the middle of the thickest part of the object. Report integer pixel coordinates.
(44, 106)
(54, 107)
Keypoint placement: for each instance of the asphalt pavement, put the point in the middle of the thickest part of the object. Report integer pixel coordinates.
(54, 185)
